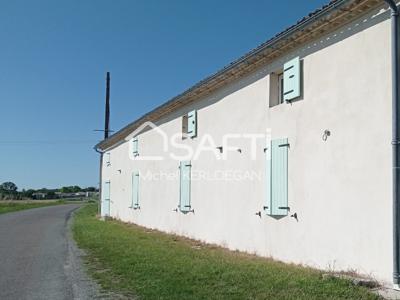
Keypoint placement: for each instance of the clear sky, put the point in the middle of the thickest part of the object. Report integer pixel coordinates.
(54, 56)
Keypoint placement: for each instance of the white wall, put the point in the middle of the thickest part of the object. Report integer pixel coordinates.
(340, 189)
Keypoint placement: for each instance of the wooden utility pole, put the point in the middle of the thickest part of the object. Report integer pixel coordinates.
(107, 117)
(106, 134)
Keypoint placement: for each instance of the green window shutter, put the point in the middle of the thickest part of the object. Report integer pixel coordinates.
(292, 79)
(267, 206)
(106, 198)
(135, 190)
(192, 123)
(279, 177)
(135, 146)
(184, 197)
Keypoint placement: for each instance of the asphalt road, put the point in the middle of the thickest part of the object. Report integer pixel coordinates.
(38, 259)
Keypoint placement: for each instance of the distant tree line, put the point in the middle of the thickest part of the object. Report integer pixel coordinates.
(9, 191)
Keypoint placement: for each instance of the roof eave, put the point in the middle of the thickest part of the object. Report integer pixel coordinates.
(347, 10)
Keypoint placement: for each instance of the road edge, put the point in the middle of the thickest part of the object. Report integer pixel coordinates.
(83, 285)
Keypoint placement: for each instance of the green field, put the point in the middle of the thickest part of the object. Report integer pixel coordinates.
(131, 260)
(6, 207)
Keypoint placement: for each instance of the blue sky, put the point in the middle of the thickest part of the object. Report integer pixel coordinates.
(54, 56)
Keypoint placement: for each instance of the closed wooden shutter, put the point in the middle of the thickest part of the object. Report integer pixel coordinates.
(108, 159)
(276, 203)
(185, 174)
(135, 190)
(135, 146)
(106, 199)
(279, 177)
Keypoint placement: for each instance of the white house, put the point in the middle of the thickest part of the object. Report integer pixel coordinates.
(285, 153)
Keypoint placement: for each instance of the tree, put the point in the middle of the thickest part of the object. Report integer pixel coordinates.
(90, 189)
(8, 187)
(66, 189)
(70, 189)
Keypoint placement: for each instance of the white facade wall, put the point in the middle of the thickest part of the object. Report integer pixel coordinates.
(340, 189)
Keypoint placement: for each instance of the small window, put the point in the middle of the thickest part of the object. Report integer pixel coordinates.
(280, 88)
(276, 88)
(285, 85)
(189, 125)
(184, 127)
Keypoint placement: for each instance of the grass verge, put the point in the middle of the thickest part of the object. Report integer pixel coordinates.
(6, 207)
(131, 260)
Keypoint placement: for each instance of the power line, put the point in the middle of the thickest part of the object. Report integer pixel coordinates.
(47, 142)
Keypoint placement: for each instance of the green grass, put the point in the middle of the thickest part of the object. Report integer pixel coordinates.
(6, 207)
(131, 260)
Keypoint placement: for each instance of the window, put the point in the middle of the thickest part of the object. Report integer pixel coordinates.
(135, 190)
(184, 192)
(285, 84)
(189, 125)
(280, 88)
(277, 177)
(184, 127)
(276, 88)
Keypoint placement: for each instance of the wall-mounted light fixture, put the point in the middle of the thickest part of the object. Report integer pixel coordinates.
(326, 134)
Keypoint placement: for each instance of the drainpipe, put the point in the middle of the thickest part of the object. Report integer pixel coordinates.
(395, 140)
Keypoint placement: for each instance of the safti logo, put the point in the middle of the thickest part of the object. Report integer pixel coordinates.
(180, 147)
